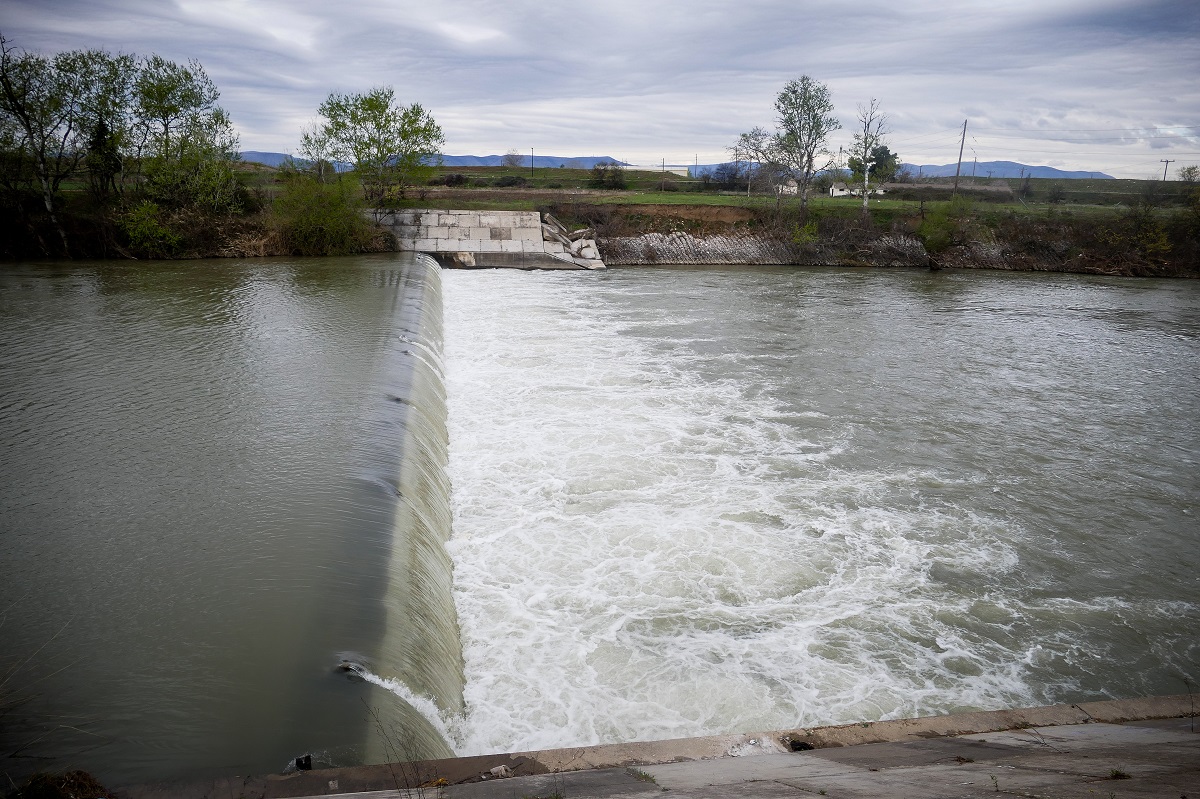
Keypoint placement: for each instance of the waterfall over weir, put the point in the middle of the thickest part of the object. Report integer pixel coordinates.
(420, 658)
(218, 478)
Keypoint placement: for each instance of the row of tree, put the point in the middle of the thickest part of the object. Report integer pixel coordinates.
(148, 126)
(145, 138)
(798, 149)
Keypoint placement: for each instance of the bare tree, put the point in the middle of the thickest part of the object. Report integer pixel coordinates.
(798, 147)
(872, 127)
(511, 159)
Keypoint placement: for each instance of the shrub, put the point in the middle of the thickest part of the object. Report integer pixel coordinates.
(607, 176)
(317, 218)
(946, 225)
(509, 181)
(806, 234)
(146, 232)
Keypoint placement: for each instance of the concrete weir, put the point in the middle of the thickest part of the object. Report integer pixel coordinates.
(494, 239)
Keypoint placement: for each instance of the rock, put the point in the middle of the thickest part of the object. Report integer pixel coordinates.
(501, 772)
(462, 260)
(585, 233)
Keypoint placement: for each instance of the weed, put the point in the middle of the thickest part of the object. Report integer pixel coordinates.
(641, 775)
(1117, 774)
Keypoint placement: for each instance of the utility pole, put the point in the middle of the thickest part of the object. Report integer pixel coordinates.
(958, 169)
(530, 162)
(1166, 164)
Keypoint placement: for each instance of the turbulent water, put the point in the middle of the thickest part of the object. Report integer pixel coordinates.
(694, 501)
(684, 501)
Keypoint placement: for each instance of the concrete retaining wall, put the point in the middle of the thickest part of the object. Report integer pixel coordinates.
(485, 239)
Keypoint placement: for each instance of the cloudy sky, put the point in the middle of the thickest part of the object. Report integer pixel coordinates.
(1103, 85)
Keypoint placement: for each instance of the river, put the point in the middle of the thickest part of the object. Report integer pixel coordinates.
(683, 501)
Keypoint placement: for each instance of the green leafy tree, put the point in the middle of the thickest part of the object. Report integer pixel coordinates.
(170, 98)
(186, 142)
(798, 147)
(197, 171)
(391, 146)
(884, 165)
(51, 110)
(1189, 174)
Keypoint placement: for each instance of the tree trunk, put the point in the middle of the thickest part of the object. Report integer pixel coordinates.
(48, 200)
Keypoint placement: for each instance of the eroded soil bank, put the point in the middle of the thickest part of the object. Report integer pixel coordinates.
(1136, 242)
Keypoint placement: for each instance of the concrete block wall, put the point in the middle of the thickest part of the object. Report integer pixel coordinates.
(484, 239)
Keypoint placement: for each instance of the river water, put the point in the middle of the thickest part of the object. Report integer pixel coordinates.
(693, 501)
(684, 501)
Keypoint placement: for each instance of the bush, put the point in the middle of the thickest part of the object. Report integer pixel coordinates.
(607, 176)
(509, 181)
(317, 218)
(146, 232)
(946, 225)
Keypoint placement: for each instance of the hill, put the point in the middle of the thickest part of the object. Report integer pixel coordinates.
(540, 161)
(1000, 169)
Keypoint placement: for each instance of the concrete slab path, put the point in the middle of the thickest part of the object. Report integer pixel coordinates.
(1103, 750)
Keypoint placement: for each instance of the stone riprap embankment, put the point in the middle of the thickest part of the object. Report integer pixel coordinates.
(494, 239)
(683, 248)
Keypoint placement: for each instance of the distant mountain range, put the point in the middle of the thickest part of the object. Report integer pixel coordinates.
(983, 169)
(999, 169)
(540, 161)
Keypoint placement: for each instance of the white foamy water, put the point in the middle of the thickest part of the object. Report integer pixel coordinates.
(658, 533)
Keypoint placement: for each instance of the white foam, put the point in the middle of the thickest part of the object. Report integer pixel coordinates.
(646, 549)
(424, 705)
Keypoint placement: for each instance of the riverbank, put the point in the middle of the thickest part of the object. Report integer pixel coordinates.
(1146, 746)
(635, 228)
(960, 235)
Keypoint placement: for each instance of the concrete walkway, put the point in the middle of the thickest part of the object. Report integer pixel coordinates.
(1102, 750)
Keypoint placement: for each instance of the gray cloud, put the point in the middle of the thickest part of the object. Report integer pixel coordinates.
(1084, 84)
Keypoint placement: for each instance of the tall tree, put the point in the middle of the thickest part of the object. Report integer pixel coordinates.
(186, 142)
(872, 127)
(169, 98)
(50, 109)
(797, 148)
(391, 146)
